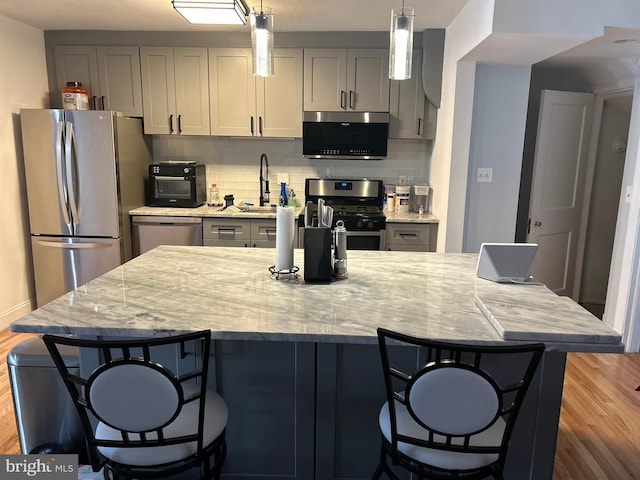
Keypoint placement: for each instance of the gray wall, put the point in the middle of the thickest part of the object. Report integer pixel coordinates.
(499, 119)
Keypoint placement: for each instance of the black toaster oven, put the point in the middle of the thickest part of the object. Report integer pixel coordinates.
(177, 184)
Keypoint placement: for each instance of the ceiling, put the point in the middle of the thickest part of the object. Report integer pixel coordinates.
(601, 60)
(289, 16)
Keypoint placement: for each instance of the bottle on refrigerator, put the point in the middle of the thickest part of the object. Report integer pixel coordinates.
(74, 96)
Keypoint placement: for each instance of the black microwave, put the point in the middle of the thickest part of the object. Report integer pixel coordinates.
(349, 135)
(177, 184)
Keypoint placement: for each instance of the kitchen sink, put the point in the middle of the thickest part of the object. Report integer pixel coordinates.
(264, 209)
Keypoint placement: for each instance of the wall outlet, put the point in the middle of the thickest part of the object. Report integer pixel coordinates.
(485, 175)
(283, 177)
(402, 180)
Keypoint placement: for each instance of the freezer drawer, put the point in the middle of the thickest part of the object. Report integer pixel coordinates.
(62, 264)
(150, 232)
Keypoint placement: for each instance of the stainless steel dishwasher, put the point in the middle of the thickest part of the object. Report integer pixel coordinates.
(150, 231)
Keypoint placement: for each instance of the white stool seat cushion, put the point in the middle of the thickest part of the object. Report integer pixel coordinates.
(439, 458)
(215, 421)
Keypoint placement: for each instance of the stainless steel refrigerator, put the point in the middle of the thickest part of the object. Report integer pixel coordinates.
(84, 171)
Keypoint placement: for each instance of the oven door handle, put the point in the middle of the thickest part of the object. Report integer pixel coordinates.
(169, 178)
(365, 233)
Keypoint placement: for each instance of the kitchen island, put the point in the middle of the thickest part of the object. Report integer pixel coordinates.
(298, 362)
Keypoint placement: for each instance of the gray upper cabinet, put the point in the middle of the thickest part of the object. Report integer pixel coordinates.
(175, 89)
(249, 106)
(346, 79)
(411, 114)
(111, 75)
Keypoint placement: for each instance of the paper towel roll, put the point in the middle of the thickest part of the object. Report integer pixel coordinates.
(285, 230)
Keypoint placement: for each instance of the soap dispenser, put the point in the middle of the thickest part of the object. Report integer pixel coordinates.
(283, 194)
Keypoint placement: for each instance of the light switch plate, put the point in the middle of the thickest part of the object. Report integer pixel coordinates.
(283, 177)
(485, 175)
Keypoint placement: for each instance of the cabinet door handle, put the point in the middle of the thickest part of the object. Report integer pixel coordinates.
(419, 126)
(408, 235)
(260, 126)
(170, 123)
(252, 133)
(102, 102)
(343, 99)
(352, 95)
(179, 123)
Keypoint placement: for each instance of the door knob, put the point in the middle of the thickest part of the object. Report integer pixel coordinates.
(537, 223)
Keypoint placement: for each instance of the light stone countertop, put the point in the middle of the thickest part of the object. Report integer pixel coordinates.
(215, 212)
(411, 217)
(205, 211)
(174, 289)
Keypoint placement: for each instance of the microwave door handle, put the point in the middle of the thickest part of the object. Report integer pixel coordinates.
(62, 187)
(71, 153)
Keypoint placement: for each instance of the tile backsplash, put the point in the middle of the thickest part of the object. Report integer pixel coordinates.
(234, 163)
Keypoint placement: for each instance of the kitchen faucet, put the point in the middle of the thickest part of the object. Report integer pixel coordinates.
(264, 194)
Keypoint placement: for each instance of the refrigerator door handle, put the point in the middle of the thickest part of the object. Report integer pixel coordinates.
(70, 159)
(73, 246)
(62, 187)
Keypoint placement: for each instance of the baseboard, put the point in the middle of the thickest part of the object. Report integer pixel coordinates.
(15, 313)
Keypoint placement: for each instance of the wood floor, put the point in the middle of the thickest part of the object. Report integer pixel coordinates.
(599, 435)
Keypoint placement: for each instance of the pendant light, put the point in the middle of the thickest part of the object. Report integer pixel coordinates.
(212, 12)
(401, 43)
(262, 40)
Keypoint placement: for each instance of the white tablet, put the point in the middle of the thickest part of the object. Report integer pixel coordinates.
(506, 262)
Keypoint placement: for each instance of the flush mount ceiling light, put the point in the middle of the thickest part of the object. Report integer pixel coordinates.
(261, 19)
(401, 43)
(212, 12)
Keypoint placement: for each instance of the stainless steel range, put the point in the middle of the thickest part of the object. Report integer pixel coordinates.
(358, 203)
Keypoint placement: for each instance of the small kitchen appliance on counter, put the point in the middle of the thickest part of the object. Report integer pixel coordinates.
(357, 203)
(177, 184)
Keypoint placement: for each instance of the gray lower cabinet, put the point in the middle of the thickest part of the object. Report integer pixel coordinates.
(300, 410)
(350, 393)
(411, 237)
(305, 410)
(239, 232)
(269, 388)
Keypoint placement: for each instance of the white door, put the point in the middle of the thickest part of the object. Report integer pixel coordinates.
(564, 127)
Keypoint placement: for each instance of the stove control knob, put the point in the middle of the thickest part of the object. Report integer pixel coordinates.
(372, 225)
(360, 224)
